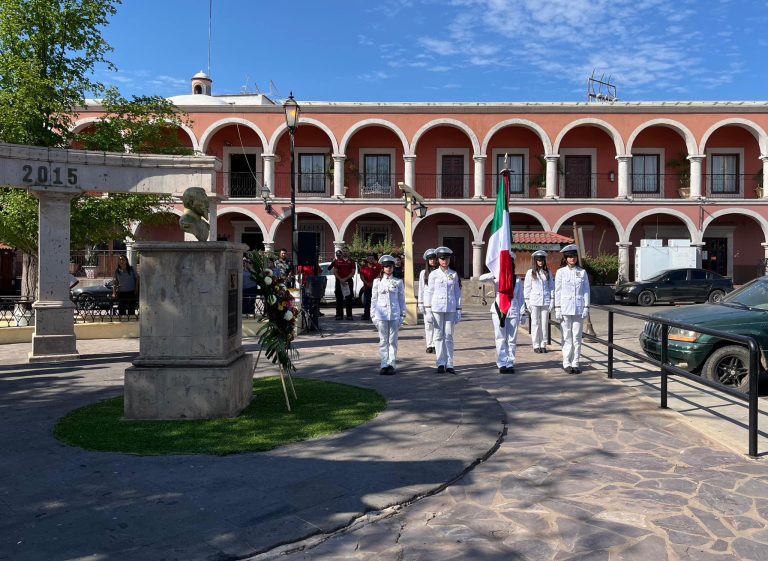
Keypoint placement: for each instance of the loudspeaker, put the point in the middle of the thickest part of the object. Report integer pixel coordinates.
(307, 248)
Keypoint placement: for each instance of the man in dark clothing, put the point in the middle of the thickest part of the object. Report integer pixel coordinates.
(343, 269)
(368, 273)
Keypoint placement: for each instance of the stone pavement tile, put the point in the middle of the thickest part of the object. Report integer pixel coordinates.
(692, 553)
(651, 547)
(711, 522)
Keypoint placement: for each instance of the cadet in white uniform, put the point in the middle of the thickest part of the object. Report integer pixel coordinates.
(387, 312)
(430, 258)
(571, 306)
(505, 332)
(539, 295)
(443, 301)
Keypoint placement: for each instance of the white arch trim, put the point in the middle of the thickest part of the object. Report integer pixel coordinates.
(738, 211)
(685, 132)
(542, 134)
(754, 128)
(80, 124)
(517, 210)
(224, 210)
(453, 212)
(692, 230)
(307, 210)
(567, 216)
(446, 122)
(362, 212)
(370, 123)
(272, 145)
(205, 139)
(599, 123)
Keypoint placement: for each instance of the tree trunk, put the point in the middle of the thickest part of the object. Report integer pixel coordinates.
(28, 276)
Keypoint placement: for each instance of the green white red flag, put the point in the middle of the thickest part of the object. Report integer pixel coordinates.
(497, 258)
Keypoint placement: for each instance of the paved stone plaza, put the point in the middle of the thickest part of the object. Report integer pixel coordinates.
(537, 465)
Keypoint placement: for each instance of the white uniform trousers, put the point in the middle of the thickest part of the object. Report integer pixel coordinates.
(539, 324)
(571, 329)
(388, 331)
(506, 340)
(443, 337)
(429, 330)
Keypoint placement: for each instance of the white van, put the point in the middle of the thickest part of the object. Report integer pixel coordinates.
(330, 288)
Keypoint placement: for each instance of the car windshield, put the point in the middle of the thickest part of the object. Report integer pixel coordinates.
(752, 295)
(659, 276)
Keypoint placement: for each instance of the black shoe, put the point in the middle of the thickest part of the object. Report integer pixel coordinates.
(339, 318)
(450, 371)
(510, 369)
(543, 350)
(503, 370)
(350, 318)
(384, 371)
(575, 370)
(431, 350)
(390, 369)
(536, 350)
(441, 369)
(567, 369)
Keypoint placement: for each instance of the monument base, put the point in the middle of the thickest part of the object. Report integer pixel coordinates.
(188, 392)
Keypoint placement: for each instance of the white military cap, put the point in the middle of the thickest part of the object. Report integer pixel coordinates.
(443, 251)
(429, 253)
(572, 248)
(386, 260)
(539, 253)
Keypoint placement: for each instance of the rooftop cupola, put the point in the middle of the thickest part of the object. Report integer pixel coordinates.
(201, 84)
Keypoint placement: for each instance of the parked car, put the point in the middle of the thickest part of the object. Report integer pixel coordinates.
(675, 285)
(96, 297)
(330, 295)
(743, 312)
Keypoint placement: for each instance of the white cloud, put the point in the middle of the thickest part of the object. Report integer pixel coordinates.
(375, 76)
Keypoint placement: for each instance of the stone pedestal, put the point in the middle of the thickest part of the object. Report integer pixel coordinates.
(191, 362)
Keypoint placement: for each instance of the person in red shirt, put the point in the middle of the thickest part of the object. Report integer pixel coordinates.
(343, 269)
(368, 273)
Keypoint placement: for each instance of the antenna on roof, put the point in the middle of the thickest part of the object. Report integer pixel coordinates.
(244, 87)
(602, 90)
(273, 91)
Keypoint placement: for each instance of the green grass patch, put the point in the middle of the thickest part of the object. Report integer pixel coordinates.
(322, 408)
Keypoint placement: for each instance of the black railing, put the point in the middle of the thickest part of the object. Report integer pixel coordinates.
(245, 185)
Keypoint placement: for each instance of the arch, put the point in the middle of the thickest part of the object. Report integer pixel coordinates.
(81, 124)
(756, 130)
(451, 123)
(604, 213)
(517, 210)
(739, 211)
(536, 128)
(685, 132)
(307, 210)
(363, 212)
(454, 212)
(692, 230)
(373, 122)
(205, 139)
(223, 210)
(272, 145)
(599, 123)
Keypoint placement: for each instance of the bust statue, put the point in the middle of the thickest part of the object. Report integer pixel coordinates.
(193, 221)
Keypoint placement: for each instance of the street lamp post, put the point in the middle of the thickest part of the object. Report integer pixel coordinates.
(412, 202)
(292, 113)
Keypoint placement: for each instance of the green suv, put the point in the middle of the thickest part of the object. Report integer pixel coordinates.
(743, 312)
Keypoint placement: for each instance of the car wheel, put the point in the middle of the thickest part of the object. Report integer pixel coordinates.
(716, 296)
(86, 302)
(646, 298)
(728, 366)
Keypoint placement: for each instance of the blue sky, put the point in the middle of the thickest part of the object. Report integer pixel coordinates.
(449, 50)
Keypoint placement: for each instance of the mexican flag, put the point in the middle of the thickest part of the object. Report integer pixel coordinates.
(497, 259)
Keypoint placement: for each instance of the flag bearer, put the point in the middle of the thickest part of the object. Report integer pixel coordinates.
(430, 258)
(539, 295)
(443, 301)
(571, 306)
(505, 325)
(388, 312)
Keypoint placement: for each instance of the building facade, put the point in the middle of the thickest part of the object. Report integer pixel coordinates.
(619, 172)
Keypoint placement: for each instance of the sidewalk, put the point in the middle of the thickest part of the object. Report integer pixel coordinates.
(588, 469)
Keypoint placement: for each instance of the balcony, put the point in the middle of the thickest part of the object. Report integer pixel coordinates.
(244, 185)
(308, 185)
(444, 186)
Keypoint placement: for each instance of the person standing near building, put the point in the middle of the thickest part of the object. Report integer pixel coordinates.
(368, 274)
(343, 269)
(443, 301)
(399, 271)
(571, 306)
(505, 326)
(125, 287)
(250, 288)
(284, 268)
(388, 312)
(430, 259)
(539, 295)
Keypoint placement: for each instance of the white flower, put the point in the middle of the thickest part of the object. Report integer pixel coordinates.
(288, 315)
(272, 299)
(267, 280)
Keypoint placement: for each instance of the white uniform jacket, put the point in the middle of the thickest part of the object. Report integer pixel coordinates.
(422, 291)
(388, 299)
(571, 291)
(538, 290)
(443, 293)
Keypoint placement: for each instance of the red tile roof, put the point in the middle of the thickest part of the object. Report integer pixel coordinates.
(3, 246)
(526, 237)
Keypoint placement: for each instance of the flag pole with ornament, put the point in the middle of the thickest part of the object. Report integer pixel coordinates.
(498, 258)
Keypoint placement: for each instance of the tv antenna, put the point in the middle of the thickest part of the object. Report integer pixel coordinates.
(602, 90)
(274, 93)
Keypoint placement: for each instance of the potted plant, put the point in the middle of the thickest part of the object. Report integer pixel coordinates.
(682, 168)
(758, 177)
(539, 181)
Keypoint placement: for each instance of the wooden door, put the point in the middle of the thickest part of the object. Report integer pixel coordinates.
(452, 177)
(578, 177)
(717, 255)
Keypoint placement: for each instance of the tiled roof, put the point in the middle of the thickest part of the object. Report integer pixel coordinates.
(526, 237)
(3, 246)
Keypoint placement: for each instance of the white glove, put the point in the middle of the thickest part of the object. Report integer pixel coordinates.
(551, 305)
(375, 321)
(457, 316)
(402, 321)
(558, 314)
(584, 313)
(421, 309)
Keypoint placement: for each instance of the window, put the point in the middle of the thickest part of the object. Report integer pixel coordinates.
(374, 233)
(645, 173)
(674, 276)
(698, 275)
(377, 174)
(725, 173)
(243, 180)
(516, 165)
(312, 173)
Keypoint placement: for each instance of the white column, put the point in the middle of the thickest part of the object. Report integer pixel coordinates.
(479, 176)
(213, 207)
(552, 160)
(765, 176)
(338, 176)
(765, 258)
(269, 247)
(337, 245)
(54, 336)
(410, 171)
(623, 261)
(699, 246)
(624, 161)
(129, 253)
(477, 259)
(696, 160)
(269, 173)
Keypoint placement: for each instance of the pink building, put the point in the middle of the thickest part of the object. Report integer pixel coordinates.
(621, 172)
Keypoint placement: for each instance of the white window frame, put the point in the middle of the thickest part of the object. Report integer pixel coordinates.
(713, 151)
(524, 152)
(661, 153)
(226, 165)
(439, 168)
(297, 160)
(377, 152)
(592, 153)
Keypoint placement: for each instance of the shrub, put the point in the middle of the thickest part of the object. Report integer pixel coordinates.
(604, 268)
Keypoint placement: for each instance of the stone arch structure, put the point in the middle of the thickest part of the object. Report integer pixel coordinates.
(362, 212)
(685, 132)
(692, 229)
(224, 210)
(534, 127)
(600, 212)
(446, 122)
(453, 212)
(517, 210)
(739, 212)
(206, 137)
(756, 130)
(81, 124)
(270, 235)
(272, 144)
(369, 123)
(599, 123)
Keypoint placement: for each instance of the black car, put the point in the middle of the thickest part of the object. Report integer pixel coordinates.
(96, 297)
(675, 285)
